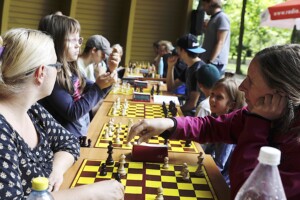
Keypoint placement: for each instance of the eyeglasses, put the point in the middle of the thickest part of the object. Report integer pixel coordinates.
(75, 40)
(57, 65)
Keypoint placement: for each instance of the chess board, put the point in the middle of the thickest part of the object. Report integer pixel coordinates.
(143, 179)
(130, 91)
(173, 145)
(140, 110)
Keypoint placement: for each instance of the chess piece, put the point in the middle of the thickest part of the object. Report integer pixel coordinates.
(166, 141)
(166, 163)
(84, 142)
(124, 111)
(157, 89)
(105, 136)
(199, 172)
(186, 174)
(118, 177)
(103, 171)
(129, 144)
(152, 91)
(188, 143)
(114, 111)
(160, 192)
(121, 169)
(117, 139)
(184, 167)
(109, 160)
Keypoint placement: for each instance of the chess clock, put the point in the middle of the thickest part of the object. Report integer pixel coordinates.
(143, 97)
(143, 84)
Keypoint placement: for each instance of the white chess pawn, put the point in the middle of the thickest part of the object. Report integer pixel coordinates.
(184, 166)
(199, 172)
(124, 111)
(166, 163)
(121, 169)
(114, 111)
(105, 136)
(185, 175)
(160, 192)
(117, 139)
(129, 144)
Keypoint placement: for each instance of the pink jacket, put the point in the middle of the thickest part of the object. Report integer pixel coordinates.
(249, 132)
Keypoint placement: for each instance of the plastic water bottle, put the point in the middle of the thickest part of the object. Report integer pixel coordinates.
(161, 67)
(264, 183)
(40, 189)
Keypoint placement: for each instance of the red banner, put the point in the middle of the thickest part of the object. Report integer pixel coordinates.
(285, 10)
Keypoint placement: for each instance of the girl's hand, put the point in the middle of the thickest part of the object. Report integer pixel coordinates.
(270, 106)
(148, 128)
(106, 80)
(55, 180)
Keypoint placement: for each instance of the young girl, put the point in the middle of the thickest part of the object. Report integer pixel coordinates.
(73, 96)
(225, 97)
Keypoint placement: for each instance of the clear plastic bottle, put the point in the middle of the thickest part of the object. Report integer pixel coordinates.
(40, 189)
(264, 183)
(161, 67)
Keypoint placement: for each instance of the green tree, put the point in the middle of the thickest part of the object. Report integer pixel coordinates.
(255, 37)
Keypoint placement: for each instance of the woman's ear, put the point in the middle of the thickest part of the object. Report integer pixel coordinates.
(39, 74)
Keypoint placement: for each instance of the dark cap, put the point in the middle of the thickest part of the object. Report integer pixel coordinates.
(190, 43)
(208, 75)
(100, 43)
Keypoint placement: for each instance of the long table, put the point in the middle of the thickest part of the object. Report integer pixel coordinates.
(215, 179)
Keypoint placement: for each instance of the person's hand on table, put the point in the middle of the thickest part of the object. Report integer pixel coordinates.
(110, 190)
(55, 180)
(148, 128)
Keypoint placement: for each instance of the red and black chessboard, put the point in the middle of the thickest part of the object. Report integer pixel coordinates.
(143, 179)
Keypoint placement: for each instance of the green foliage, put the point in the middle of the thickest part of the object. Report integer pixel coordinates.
(255, 36)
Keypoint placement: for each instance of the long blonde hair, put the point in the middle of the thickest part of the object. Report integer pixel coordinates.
(23, 50)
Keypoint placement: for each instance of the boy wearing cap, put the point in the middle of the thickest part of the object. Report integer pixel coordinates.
(93, 60)
(207, 76)
(188, 49)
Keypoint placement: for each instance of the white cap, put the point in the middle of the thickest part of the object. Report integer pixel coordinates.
(269, 155)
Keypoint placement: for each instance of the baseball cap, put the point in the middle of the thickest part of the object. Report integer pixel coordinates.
(190, 43)
(100, 43)
(208, 75)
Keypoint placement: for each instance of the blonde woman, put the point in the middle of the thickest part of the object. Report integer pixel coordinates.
(32, 143)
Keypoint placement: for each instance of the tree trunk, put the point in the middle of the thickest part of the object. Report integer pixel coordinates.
(240, 46)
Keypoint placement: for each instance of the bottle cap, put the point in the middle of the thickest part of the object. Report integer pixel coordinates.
(269, 155)
(40, 183)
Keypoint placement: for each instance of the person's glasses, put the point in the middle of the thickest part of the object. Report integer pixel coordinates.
(76, 41)
(57, 65)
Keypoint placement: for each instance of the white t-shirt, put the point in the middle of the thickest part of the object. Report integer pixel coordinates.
(203, 109)
(87, 71)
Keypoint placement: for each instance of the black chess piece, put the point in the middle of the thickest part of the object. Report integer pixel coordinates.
(174, 112)
(109, 160)
(103, 171)
(166, 142)
(118, 177)
(135, 87)
(84, 142)
(157, 89)
(141, 89)
(188, 143)
(152, 91)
